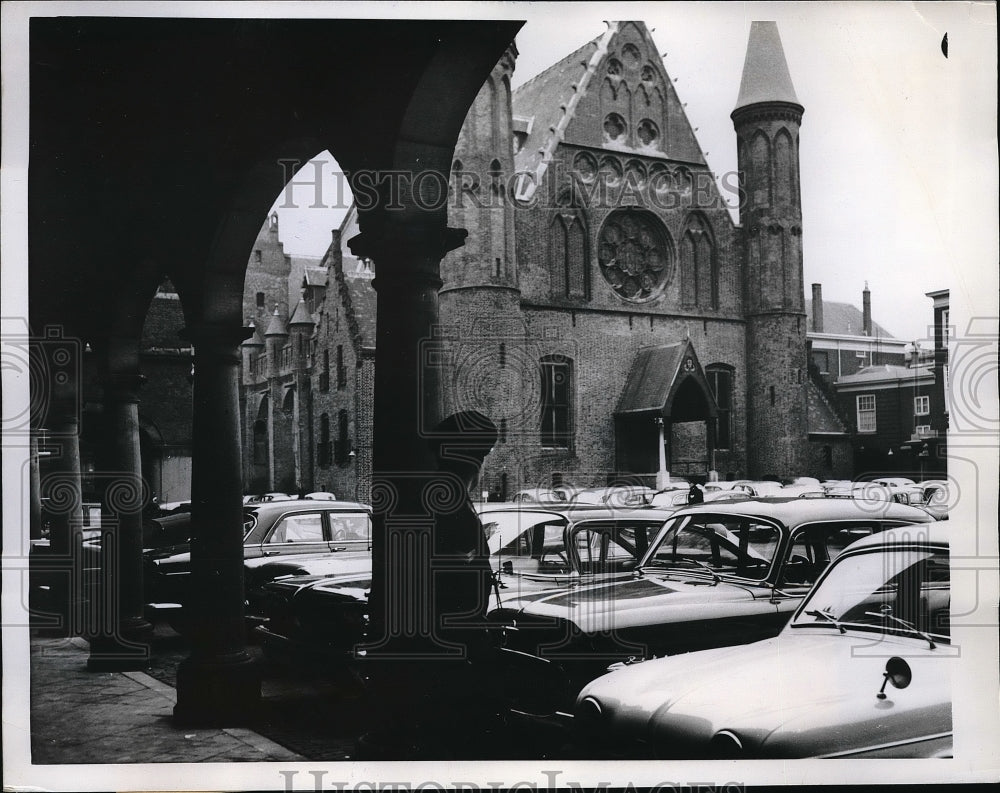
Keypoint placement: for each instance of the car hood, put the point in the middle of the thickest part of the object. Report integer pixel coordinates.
(637, 601)
(807, 692)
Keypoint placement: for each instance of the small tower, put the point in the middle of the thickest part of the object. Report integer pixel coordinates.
(300, 330)
(275, 337)
(249, 351)
(767, 119)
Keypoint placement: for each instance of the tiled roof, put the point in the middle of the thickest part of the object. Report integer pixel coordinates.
(301, 315)
(547, 100)
(361, 294)
(315, 276)
(844, 319)
(765, 72)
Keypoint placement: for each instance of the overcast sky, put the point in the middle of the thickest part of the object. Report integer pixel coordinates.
(897, 145)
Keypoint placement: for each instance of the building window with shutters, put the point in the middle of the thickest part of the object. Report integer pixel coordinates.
(556, 407)
(720, 380)
(866, 413)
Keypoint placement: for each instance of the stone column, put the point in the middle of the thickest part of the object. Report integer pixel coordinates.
(62, 612)
(219, 683)
(407, 407)
(122, 637)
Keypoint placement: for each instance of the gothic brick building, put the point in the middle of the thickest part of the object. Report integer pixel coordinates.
(606, 311)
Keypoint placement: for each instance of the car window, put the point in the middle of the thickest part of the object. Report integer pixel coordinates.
(345, 528)
(814, 547)
(733, 545)
(527, 542)
(307, 527)
(898, 590)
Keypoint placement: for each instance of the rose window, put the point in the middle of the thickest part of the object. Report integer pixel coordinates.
(634, 256)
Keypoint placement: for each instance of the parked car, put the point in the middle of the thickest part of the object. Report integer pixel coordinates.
(861, 670)
(271, 529)
(531, 549)
(716, 574)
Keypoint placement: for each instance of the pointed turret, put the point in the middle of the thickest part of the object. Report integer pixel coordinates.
(765, 72)
(276, 327)
(301, 316)
(767, 119)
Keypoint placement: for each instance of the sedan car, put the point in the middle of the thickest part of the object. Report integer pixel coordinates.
(861, 670)
(272, 531)
(714, 575)
(531, 549)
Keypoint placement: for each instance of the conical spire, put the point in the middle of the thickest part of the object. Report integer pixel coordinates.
(276, 326)
(765, 72)
(301, 315)
(255, 340)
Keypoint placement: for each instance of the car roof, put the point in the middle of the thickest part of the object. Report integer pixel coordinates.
(797, 511)
(935, 533)
(575, 512)
(307, 505)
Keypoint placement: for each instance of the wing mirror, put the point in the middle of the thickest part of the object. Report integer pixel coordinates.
(897, 672)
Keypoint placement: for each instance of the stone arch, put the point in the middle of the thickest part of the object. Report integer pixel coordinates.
(759, 184)
(699, 263)
(784, 167)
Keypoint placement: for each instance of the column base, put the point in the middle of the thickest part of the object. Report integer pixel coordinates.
(126, 651)
(218, 691)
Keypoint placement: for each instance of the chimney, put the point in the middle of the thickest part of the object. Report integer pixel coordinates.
(866, 310)
(817, 308)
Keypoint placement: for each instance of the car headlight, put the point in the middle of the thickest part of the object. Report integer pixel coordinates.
(726, 745)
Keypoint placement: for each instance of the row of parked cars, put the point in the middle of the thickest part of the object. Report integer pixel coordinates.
(748, 626)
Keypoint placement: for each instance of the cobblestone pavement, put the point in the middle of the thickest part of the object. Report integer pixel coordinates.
(78, 716)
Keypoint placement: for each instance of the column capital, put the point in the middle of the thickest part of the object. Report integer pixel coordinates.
(417, 247)
(220, 338)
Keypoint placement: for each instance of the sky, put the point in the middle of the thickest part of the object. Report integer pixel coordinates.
(897, 144)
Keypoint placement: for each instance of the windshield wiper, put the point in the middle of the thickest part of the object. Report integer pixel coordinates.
(906, 624)
(716, 578)
(827, 616)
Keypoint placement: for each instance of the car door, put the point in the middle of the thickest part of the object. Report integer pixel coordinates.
(811, 549)
(349, 531)
(297, 533)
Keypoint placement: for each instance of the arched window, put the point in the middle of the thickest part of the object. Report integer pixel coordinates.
(699, 265)
(720, 380)
(570, 260)
(557, 401)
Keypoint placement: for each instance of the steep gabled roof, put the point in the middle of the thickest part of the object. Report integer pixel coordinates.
(845, 320)
(547, 99)
(315, 276)
(361, 304)
(572, 101)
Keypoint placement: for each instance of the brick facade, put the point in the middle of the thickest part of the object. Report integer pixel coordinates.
(596, 230)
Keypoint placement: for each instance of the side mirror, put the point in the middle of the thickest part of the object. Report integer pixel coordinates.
(897, 672)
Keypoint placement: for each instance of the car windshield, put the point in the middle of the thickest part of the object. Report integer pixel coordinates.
(896, 590)
(721, 545)
(536, 539)
(249, 521)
